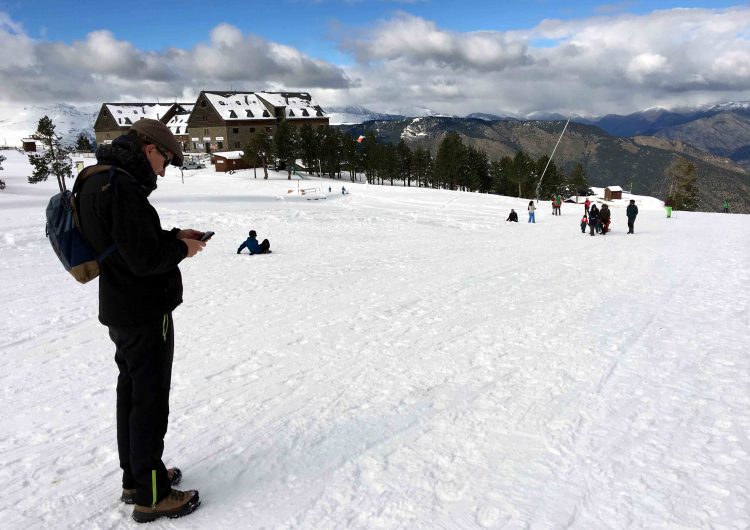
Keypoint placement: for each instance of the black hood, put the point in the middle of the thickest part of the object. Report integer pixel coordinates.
(123, 152)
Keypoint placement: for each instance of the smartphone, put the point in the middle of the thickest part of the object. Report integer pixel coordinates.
(207, 235)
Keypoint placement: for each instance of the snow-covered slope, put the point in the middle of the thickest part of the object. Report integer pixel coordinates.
(20, 121)
(404, 359)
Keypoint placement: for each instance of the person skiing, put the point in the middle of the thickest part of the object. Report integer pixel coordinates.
(584, 222)
(531, 210)
(632, 213)
(593, 218)
(512, 216)
(140, 285)
(725, 206)
(252, 245)
(604, 219)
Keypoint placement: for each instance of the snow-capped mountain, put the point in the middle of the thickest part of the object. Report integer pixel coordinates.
(351, 114)
(20, 121)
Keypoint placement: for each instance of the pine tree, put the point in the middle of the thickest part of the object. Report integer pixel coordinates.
(309, 148)
(578, 181)
(683, 185)
(449, 163)
(83, 144)
(258, 151)
(404, 156)
(285, 143)
(54, 160)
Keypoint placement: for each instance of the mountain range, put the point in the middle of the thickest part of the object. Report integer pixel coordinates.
(614, 149)
(637, 163)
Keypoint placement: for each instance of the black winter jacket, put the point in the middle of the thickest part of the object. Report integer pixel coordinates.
(141, 280)
(631, 211)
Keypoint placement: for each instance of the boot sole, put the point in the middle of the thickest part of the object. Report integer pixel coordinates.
(147, 517)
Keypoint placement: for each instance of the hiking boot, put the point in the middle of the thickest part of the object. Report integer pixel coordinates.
(176, 504)
(173, 473)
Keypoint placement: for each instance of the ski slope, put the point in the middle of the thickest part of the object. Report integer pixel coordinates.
(404, 359)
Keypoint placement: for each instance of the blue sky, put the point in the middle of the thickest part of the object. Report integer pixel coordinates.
(412, 57)
(310, 26)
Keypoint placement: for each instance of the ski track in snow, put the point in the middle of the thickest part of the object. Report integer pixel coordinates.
(404, 359)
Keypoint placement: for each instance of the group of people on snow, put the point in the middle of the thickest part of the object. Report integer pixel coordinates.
(596, 219)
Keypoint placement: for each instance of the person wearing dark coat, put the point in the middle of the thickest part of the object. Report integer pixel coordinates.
(513, 216)
(632, 213)
(252, 245)
(604, 219)
(139, 287)
(593, 218)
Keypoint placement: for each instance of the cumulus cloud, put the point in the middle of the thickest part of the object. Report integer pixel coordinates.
(103, 68)
(416, 40)
(614, 63)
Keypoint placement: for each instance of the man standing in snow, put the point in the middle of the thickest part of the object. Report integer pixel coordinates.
(632, 213)
(139, 287)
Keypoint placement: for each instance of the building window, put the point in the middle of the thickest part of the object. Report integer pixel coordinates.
(252, 129)
(236, 145)
(235, 130)
(291, 113)
(203, 103)
(269, 129)
(205, 118)
(220, 145)
(205, 132)
(107, 135)
(232, 114)
(249, 113)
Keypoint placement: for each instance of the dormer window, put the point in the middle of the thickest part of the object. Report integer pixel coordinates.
(319, 113)
(266, 114)
(135, 111)
(238, 103)
(222, 103)
(249, 113)
(232, 114)
(304, 112)
(119, 111)
(291, 113)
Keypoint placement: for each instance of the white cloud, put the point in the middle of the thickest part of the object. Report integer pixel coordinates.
(103, 68)
(618, 63)
(614, 63)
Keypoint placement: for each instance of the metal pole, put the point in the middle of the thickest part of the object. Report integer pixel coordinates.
(539, 185)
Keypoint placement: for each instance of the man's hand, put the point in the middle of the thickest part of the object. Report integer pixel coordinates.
(194, 246)
(189, 234)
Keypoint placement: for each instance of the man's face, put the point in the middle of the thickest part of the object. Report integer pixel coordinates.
(158, 157)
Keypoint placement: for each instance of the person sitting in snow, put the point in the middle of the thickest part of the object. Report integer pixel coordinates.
(251, 244)
(513, 216)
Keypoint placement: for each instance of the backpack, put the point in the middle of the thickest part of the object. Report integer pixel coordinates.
(64, 229)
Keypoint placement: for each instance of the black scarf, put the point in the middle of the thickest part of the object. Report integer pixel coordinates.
(123, 152)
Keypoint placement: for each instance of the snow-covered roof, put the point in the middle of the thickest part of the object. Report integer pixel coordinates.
(229, 155)
(614, 188)
(236, 106)
(127, 114)
(179, 122)
(297, 105)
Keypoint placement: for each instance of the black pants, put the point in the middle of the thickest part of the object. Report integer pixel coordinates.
(144, 356)
(264, 246)
(631, 224)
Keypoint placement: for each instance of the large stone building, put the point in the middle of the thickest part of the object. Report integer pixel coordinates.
(217, 121)
(228, 120)
(115, 119)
